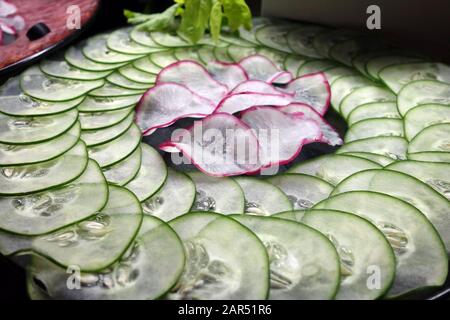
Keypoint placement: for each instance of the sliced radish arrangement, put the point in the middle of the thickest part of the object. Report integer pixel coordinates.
(311, 89)
(281, 136)
(255, 86)
(195, 77)
(261, 68)
(243, 101)
(281, 77)
(229, 74)
(164, 104)
(218, 145)
(330, 135)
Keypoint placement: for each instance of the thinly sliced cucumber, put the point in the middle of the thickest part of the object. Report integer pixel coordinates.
(396, 76)
(111, 152)
(96, 137)
(302, 190)
(337, 72)
(187, 53)
(236, 53)
(392, 147)
(309, 271)
(37, 85)
(262, 197)
(373, 110)
(150, 267)
(294, 215)
(313, 66)
(136, 75)
(415, 242)
(345, 51)
(422, 92)
(377, 158)
(124, 171)
(430, 156)
(275, 36)
(142, 36)
(378, 63)
(97, 104)
(221, 54)
(277, 57)
(293, 62)
(360, 60)
(144, 64)
(166, 39)
(435, 138)
(151, 175)
(364, 95)
(25, 130)
(236, 273)
(258, 22)
(420, 117)
(162, 59)
(370, 128)
(221, 195)
(23, 179)
(352, 236)
(111, 90)
(97, 51)
(436, 175)
(174, 199)
(38, 152)
(74, 56)
(300, 40)
(119, 80)
(343, 86)
(407, 188)
(324, 41)
(332, 168)
(100, 120)
(61, 69)
(206, 54)
(230, 38)
(43, 212)
(120, 41)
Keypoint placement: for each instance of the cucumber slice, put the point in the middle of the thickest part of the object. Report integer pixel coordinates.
(430, 156)
(396, 76)
(133, 74)
(112, 90)
(120, 41)
(206, 54)
(174, 199)
(275, 36)
(37, 85)
(262, 197)
(221, 54)
(370, 128)
(343, 86)
(294, 215)
(187, 54)
(352, 235)
(96, 104)
(302, 190)
(96, 137)
(124, 171)
(436, 175)
(392, 147)
(111, 152)
(257, 22)
(373, 110)
(25, 130)
(377, 158)
(119, 80)
(97, 51)
(236, 53)
(293, 62)
(61, 69)
(411, 190)
(39, 152)
(166, 39)
(435, 138)
(151, 175)
(231, 38)
(378, 63)
(345, 51)
(43, 212)
(221, 195)
(313, 66)
(309, 271)
(360, 60)
(144, 64)
(100, 120)
(300, 40)
(162, 59)
(23, 179)
(422, 92)
(74, 56)
(213, 269)
(332, 168)
(423, 116)
(416, 244)
(364, 95)
(142, 36)
(277, 57)
(324, 41)
(337, 72)
(150, 267)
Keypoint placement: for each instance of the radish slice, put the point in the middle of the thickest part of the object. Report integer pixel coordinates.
(281, 77)
(229, 74)
(281, 136)
(255, 86)
(312, 89)
(330, 135)
(166, 103)
(242, 101)
(195, 77)
(259, 68)
(219, 145)
(7, 8)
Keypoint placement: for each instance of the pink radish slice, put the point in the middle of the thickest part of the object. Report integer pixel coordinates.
(330, 135)
(229, 74)
(281, 77)
(281, 136)
(242, 101)
(166, 103)
(219, 145)
(255, 86)
(7, 8)
(259, 68)
(312, 89)
(195, 77)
